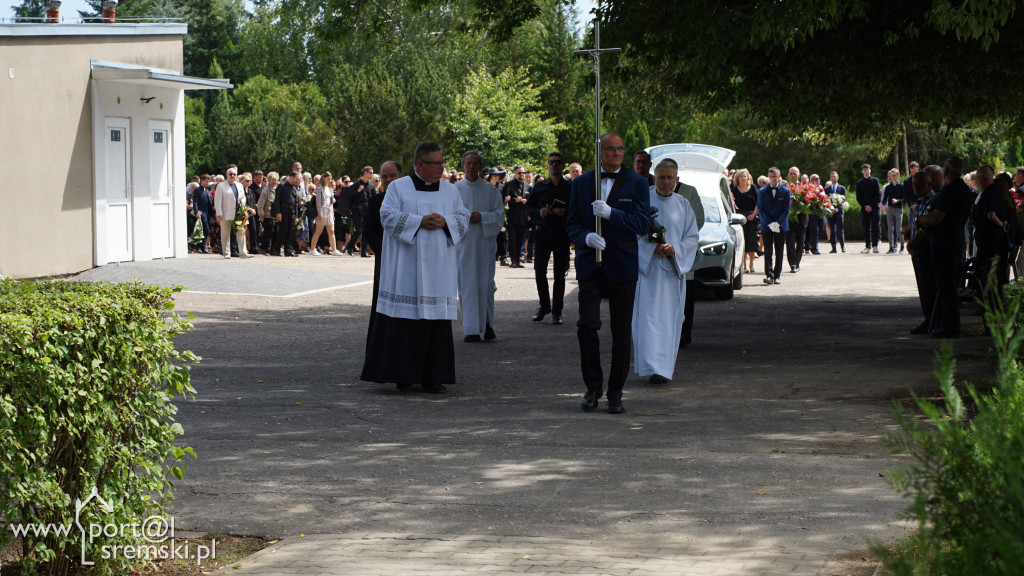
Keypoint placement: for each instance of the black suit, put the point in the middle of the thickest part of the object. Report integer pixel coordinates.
(517, 218)
(550, 239)
(615, 278)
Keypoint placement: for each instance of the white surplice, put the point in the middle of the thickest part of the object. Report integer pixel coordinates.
(661, 288)
(419, 270)
(476, 254)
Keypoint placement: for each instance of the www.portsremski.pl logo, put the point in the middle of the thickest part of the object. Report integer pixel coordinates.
(152, 538)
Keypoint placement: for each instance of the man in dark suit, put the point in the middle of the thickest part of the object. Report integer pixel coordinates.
(624, 208)
(835, 221)
(773, 207)
(515, 197)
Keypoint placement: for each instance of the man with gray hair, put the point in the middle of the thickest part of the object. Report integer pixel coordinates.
(476, 252)
(424, 222)
(665, 256)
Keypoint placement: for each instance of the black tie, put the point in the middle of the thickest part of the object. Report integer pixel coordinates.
(612, 175)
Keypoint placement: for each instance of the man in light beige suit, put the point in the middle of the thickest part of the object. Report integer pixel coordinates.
(230, 193)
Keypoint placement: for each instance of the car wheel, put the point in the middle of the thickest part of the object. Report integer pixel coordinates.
(737, 282)
(728, 291)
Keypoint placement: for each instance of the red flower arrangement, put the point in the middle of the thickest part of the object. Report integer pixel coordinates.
(809, 199)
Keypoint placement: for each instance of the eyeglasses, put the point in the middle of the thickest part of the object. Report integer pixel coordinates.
(232, 174)
(438, 164)
(614, 149)
(556, 161)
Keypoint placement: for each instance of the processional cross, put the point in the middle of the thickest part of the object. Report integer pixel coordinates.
(596, 55)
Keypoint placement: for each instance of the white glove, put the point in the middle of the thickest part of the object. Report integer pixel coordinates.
(602, 209)
(774, 227)
(595, 241)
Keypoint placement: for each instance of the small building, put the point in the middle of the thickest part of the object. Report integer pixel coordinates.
(92, 145)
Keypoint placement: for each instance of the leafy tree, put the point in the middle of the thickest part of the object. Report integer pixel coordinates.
(197, 138)
(842, 68)
(30, 9)
(499, 115)
(213, 33)
(136, 9)
(637, 138)
(265, 124)
(271, 49)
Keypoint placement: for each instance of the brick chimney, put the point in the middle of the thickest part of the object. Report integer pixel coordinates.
(109, 10)
(53, 12)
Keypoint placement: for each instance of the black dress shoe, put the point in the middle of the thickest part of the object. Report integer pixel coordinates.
(489, 333)
(684, 341)
(541, 313)
(434, 388)
(503, 261)
(656, 379)
(921, 328)
(615, 406)
(767, 279)
(776, 281)
(472, 338)
(793, 269)
(556, 319)
(832, 251)
(589, 403)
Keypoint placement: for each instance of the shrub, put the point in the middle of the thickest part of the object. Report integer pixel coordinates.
(87, 375)
(966, 482)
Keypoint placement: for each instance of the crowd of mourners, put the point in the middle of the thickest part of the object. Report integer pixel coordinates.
(952, 223)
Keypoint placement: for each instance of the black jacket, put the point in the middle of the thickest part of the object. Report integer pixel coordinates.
(287, 201)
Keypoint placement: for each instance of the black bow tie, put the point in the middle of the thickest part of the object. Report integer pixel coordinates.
(612, 175)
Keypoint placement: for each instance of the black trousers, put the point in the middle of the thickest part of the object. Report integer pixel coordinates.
(812, 233)
(620, 305)
(357, 232)
(946, 314)
(285, 234)
(835, 222)
(691, 288)
(925, 277)
(550, 243)
(795, 240)
(269, 233)
(774, 244)
(872, 229)
(515, 241)
(501, 245)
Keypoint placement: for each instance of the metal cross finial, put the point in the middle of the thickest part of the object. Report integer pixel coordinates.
(596, 55)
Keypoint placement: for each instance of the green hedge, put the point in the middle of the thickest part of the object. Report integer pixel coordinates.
(965, 483)
(87, 375)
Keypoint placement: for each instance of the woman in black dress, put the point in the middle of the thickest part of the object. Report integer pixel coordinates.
(744, 196)
(992, 224)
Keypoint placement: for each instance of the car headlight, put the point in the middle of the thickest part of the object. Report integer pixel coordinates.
(713, 249)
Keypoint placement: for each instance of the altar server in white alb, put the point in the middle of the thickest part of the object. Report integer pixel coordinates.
(476, 252)
(661, 287)
(424, 222)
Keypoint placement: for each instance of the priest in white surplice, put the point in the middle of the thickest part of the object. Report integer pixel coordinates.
(476, 252)
(661, 287)
(424, 221)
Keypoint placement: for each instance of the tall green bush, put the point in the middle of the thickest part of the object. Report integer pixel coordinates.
(87, 376)
(966, 481)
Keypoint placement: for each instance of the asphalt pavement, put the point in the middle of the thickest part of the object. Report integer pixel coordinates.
(764, 455)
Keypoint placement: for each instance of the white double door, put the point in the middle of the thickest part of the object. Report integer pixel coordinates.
(138, 190)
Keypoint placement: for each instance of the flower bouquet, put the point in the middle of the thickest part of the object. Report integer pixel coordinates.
(809, 199)
(241, 216)
(838, 202)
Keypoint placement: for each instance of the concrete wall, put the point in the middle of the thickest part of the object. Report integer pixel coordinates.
(46, 142)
